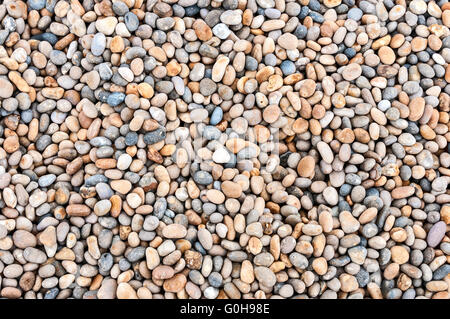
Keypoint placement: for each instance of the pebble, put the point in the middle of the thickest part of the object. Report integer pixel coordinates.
(241, 150)
(216, 116)
(221, 155)
(6, 88)
(36, 4)
(351, 72)
(98, 44)
(106, 25)
(174, 231)
(436, 234)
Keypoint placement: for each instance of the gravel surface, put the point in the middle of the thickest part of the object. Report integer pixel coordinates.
(224, 149)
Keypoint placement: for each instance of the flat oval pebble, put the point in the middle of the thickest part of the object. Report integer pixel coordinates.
(98, 44)
(174, 231)
(436, 234)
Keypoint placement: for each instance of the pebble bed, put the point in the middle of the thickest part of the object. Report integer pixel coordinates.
(224, 149)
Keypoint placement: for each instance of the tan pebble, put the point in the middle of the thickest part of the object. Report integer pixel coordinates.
(65, 254)
(445, 214)
(307, 88)
(193, 259)
(368, 215)
(387, 55)
(11, 144)
(106, 25)
(391, 271)
(163, 272)
(275, 82)
(332, 3)
(121, 186)
(219, 67)
(10, 293)
(175, 284)
(231, 189)
(78, 210)
(173, 68)
(202, 30)
(416, 108)
(437, 285)
(326, 221)
(18, 81)
(235, 144)
(246, 273)
(351, 71)
(174, 231)
(152, 258)
(125, 291)
(6, 88)
(288, 41)
(117, 44)
(348, 282)
(399, 255)
(271, 113)
(262, 133)
(215, 196)
(320, 266)
(418, 44)
(402, 192)
(145, 90)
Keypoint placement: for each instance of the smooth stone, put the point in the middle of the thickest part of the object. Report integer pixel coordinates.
(98, 44)
(436, 234)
